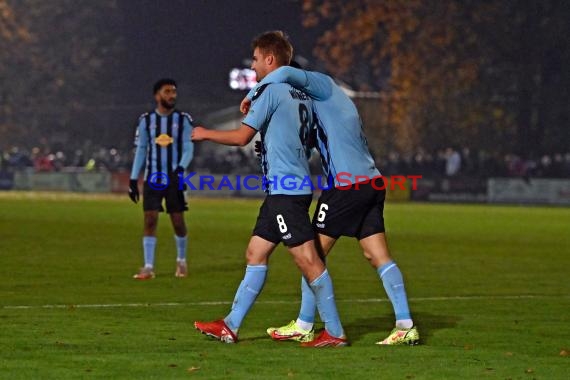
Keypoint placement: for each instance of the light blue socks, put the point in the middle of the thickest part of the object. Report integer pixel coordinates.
(324, 296)
(394, 284)
(149, 245)
(181, 243)
(308, 304)
(246, 294)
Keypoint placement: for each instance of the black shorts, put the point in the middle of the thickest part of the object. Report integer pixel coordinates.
(285, 218)
(175, 198)
(350, 212)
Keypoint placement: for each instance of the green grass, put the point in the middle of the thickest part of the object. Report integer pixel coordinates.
(488, 288)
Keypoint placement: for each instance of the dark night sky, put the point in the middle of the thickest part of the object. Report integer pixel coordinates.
(197, 42)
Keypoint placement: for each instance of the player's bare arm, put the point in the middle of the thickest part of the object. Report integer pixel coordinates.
(235, 137)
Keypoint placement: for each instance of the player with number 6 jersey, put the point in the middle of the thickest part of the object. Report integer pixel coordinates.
(356, 210)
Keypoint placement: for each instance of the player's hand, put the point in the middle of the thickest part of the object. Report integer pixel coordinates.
(258, 149)
(312, 138)
(199, 133)
(179, 170)
(134, 190)
(244, 106)
(179, 173)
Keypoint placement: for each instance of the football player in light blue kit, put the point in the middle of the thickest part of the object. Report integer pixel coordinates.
(282, 115)
(352, 207)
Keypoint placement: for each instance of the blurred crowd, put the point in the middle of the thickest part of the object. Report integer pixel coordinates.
(448, 162)
(464, 162)
(44, 159)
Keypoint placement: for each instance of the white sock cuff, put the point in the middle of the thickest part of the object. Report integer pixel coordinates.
(405, 323)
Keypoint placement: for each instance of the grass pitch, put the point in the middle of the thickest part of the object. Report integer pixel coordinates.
(488, 288)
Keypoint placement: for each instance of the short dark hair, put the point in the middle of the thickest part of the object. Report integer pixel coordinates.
(275, 42)
(295, 64)
(163, 82)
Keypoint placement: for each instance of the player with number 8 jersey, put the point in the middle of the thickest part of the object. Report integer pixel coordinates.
(281, 114)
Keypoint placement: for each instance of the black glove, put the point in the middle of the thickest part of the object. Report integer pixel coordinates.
(134, 190)
(179, 169)
(258, 149)
(312, 137)
(179, 172)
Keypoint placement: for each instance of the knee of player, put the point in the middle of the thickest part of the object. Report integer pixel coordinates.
(150, 221)
(377, 258)
(253, 257)
(180, 230)
(179, 226)
(373, 258)
(309, 262)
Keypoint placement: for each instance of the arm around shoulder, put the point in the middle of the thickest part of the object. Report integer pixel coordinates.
(236, 137)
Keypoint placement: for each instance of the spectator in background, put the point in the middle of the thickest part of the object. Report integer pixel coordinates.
(393, 165)
(78, 159)
(566, 166)
(558, 165)
(3, 162)
(468, 164)
(516, 166)
(440, 162)
(18, 159)
(452, 162)
(59, 161)
(43, 161)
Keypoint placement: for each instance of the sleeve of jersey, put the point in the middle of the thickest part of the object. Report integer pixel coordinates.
(261, 110)
(285, 74)
(187, 144)
(141, 142)
(252, 91)
(319, 86)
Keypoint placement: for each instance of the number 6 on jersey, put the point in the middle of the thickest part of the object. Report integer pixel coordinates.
(322, 212)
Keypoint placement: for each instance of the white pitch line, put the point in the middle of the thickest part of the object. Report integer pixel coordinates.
(217, 303)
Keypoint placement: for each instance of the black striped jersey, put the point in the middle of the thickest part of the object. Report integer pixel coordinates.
(162, 143)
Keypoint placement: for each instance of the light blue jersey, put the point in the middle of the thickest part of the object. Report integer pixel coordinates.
(341, 141)
(283, 117)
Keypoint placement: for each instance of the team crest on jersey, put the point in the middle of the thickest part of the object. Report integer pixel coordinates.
(259, 91)
(163, 140)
